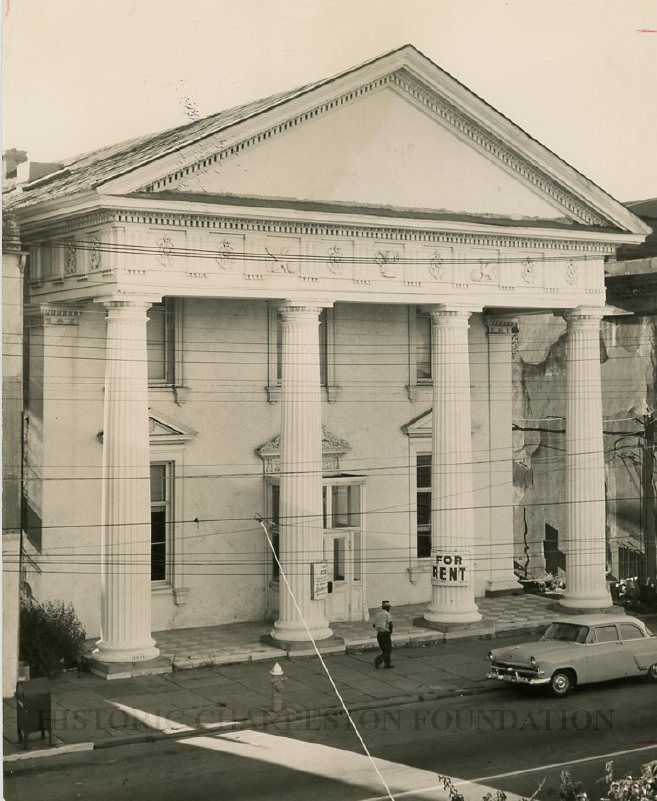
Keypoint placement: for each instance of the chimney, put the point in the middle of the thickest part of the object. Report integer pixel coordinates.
(10, 160)
(29, 171)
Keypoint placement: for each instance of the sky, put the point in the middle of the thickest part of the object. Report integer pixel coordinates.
(578, 75)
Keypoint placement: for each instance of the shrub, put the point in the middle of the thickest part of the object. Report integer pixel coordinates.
(642, 787)
(51, 637)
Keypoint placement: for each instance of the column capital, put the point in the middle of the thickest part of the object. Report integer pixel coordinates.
(504, 326)
(52, 314)
(299, 309)
(303, 303)
(118, 300)
(448, 316)
(583, 314)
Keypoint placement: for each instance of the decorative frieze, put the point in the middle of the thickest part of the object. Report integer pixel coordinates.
(388, 263)
(165, 248)
(571, 270)
(70, 257)
(485, 273)
(335, 260)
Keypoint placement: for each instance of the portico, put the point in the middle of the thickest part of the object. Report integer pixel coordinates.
(252, 257)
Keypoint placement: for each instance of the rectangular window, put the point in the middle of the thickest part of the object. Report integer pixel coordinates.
(161, 343)
(358, 554)
(341, 505)
(422, 346)
(423, 504)
(274, 528)
(161, 519)
(338, 559)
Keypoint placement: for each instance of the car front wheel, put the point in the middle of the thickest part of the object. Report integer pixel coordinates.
(561, 683)
(652, 672)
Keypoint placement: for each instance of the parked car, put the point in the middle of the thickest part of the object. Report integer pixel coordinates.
(579, 649)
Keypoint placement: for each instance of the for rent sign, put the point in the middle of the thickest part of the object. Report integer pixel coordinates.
(449, 569)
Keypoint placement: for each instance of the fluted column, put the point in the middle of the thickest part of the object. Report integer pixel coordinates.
(301, 510)
(501, 578)
(452, 519)
(125, 618)
(586, 586)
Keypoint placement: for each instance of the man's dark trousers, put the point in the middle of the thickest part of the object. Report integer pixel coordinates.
(384, 638)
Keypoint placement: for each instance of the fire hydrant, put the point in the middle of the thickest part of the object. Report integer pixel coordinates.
(277, 679)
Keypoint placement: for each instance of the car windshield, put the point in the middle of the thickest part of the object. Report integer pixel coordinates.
(566, 632)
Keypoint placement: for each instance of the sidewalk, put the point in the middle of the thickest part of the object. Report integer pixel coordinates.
(240, 642)
(89, 711)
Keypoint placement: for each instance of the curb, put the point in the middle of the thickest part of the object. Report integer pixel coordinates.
(58, 750)
(268, 719)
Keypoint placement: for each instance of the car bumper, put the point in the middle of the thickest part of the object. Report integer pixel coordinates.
(516, 677)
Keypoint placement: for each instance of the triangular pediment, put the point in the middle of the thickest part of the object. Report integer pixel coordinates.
(164, 430)
(421, 427)
(386, 149)
(397, 131)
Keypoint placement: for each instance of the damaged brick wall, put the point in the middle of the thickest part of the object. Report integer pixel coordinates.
(629, 374)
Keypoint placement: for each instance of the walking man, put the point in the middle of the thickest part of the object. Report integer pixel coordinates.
(383, 625)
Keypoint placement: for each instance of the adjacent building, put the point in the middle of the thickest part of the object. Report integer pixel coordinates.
(628, 365)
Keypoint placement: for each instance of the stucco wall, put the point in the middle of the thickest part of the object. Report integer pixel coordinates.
(220, 549)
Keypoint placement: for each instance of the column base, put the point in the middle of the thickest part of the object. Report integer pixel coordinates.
(579, 606)
(292, 633)
(104, 652)
(474, 626)
(129, 670)
(330, 645)
(451, 618)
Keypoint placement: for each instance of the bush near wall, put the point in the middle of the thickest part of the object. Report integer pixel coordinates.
(51, 637)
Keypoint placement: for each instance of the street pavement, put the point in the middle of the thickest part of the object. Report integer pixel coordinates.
(90, 710)
(234, 685)
(509, 740)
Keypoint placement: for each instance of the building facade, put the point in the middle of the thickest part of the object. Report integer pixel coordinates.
(270, 360)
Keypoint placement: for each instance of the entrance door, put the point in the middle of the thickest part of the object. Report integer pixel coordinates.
(343, 548)
(337, 552)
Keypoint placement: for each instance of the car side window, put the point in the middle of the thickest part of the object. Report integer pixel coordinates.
(606, 634)
(630, 632)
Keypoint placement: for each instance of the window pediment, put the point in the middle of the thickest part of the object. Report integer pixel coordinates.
(163, 430)
(421, 427)
(333, 449)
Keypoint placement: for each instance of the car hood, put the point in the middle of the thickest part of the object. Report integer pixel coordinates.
(543, 648)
